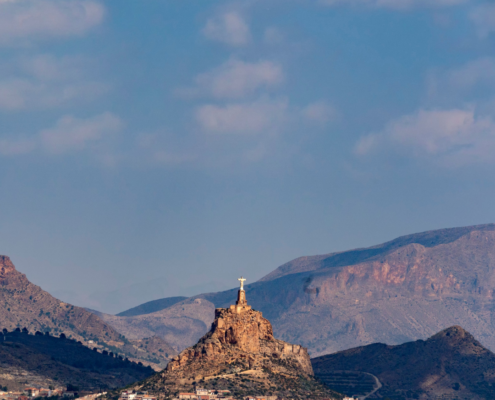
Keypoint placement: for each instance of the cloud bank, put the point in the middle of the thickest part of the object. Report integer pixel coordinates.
(393, 4)
(229, 28)
(69, 134)
(457, 136)
(243, 118)
(40, 19)
(236, 79)
(45, 81)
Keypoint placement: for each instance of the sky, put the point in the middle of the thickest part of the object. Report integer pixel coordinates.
(162, 147)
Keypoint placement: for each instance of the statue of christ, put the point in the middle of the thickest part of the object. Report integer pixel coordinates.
(241, 279)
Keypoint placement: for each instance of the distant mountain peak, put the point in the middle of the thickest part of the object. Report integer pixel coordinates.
(352, 257)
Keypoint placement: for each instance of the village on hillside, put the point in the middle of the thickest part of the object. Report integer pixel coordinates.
(32, 392)
(198, 394)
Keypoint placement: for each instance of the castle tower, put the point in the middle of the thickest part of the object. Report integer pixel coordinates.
(241, 303)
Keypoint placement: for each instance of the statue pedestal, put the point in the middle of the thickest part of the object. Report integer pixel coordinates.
(241, 304)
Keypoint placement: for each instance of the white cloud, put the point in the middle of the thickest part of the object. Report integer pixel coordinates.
(236, 79)
(320, 111)
(229, 28)
(72, 133)
(40, 19)
(483, 17)
(68, 134)
(394, 4)
(456, 135)
(44, 81)
(243, 118)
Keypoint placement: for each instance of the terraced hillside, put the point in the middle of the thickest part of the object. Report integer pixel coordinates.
(351, 383)
(449, 365)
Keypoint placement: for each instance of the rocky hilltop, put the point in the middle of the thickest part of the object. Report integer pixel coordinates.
(240, 354)
(399, 291)
(25, 305)
(449, 365)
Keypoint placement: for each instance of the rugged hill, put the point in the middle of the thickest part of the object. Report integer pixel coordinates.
(46, 360)
(240, 354)
(399, 291)
(450, 364)
(25, 305)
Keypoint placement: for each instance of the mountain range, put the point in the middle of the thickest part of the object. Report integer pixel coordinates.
(399, 291)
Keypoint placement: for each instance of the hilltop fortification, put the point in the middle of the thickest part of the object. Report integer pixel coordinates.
(240, 354)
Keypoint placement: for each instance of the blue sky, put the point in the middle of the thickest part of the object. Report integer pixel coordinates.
(155, 148)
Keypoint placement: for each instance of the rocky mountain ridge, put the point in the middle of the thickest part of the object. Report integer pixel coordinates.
(403, 290)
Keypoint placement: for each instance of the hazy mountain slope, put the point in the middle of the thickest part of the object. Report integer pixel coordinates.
(23, 304)
(180, 325)
(152, 306)
(403, 291)
(451, 363)
(45, 360)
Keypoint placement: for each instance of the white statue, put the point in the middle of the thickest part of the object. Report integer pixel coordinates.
(242, 282)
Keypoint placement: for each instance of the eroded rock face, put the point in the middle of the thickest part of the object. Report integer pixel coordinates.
(240, 339)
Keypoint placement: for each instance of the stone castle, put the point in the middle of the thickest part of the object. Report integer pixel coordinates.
(239, 355)
(240, 336)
